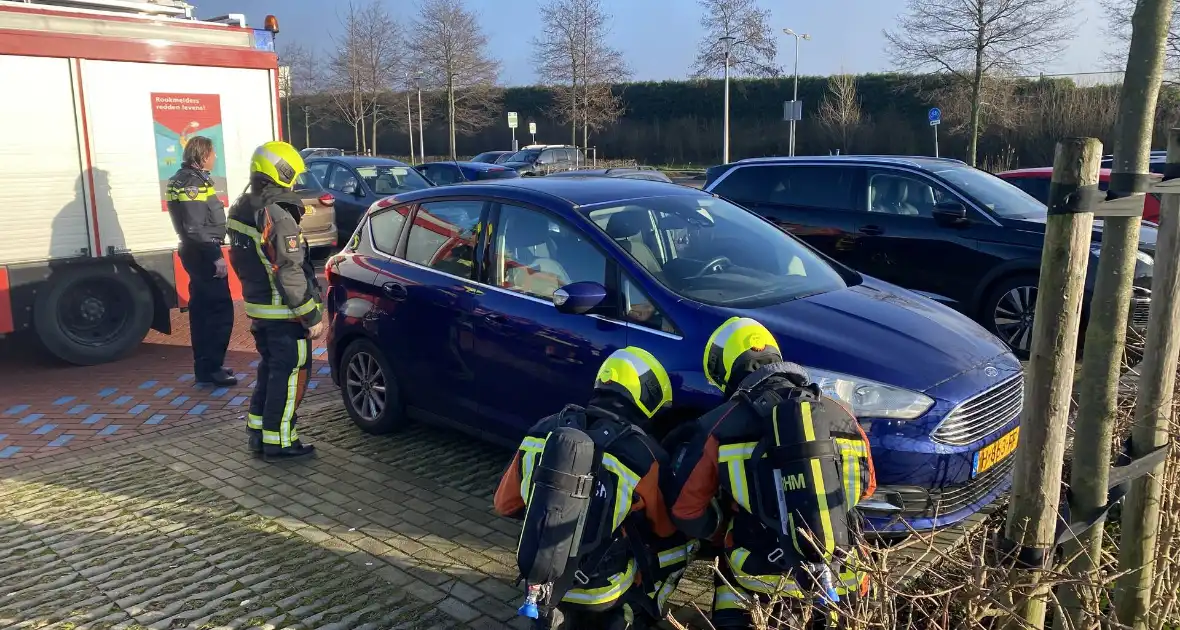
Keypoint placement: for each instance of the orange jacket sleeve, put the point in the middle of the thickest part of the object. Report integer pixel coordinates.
(697, 483)
(650, 499)
(508, 501)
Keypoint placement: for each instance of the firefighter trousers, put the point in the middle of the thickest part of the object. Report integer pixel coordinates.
(210, 309)
(283, 370)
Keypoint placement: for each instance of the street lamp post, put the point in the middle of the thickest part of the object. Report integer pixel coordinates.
(795, 98)
(421, 131)
(410, 123)
(728, 42)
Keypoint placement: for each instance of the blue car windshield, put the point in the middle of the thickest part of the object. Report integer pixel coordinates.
(708, 250)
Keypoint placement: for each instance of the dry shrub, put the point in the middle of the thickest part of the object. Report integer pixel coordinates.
(919, 584)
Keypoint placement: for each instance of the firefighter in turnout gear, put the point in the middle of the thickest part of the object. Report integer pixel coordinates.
(775, 472)
(597, 549)
(199, 219)
(282, 296)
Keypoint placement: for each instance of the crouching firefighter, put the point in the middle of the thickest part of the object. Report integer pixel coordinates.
(281, 293)
(780, 468)
(597, 547)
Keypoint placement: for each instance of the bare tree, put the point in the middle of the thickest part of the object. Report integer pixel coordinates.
(573, 58)
(972, 40)
(753, 49)
(294, 64)
(381, 64)
(450, 49)
(840, 113)
(347, 84)
(1119, 23)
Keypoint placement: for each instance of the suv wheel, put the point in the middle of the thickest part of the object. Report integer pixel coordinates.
(369, 388)
(1008, 312)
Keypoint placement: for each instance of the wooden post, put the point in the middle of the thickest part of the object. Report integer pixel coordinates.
(1153, 413)
(1036, 484)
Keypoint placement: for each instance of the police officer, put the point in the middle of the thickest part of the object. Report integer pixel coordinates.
(281, 294)
(626, 579)
(199, 219)
(721, 491)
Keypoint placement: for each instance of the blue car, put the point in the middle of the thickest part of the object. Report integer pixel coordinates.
(356, 182)
(442, 309)
(443, 173)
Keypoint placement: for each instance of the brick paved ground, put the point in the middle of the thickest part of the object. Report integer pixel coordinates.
(47, 408)
(375, 532)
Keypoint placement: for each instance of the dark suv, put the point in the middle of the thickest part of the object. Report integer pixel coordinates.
(541, 159)
(956, 234)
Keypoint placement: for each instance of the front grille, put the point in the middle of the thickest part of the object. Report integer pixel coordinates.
(951, 499)
(1140, 311)
(982, 415)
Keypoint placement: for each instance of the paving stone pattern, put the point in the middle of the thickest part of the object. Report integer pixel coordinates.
(47, 408)
(375, 532)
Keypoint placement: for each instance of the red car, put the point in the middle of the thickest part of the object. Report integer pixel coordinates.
(1035, 181)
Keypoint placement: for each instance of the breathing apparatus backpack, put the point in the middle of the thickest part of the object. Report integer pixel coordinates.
(568, 534)
(798, 488)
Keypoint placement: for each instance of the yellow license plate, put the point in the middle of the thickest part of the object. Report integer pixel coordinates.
(308, 210)
(995, 452)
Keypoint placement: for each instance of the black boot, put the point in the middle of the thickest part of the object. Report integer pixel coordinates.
(220, 378)
(255, 440)
(272, 452)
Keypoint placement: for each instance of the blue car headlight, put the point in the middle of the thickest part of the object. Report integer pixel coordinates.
(870, 399)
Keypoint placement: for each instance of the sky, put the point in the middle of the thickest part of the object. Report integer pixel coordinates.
(659, 37)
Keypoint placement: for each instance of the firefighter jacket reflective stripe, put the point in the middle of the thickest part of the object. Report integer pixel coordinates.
(272, 260)
(635, 464)
(717, 463)
(197, 214)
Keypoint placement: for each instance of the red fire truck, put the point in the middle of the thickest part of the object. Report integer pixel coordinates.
(100, 97)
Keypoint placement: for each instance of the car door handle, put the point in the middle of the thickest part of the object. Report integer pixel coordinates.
(871, 230)
(394, 291)
(494, 318)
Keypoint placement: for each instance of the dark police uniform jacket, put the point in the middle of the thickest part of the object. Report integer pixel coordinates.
(272, 259)
(197, 214)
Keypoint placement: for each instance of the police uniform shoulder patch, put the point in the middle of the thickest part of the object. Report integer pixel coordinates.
(191, 191)
(292, 244)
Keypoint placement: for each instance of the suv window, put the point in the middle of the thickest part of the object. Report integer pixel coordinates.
(320, 170)
(340, 178)
(536, 254)
(894, 192)
(826, 187)
(443, 236)
(386, 228)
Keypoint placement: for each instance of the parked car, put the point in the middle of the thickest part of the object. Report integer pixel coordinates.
(956, 234)
(1035, 182)
(491, 156)
(311, 152)
(649, 173)
(319, 216)
(1156, 162)
(442, 173)
(541, 159)
(357, 182)
(490, 305)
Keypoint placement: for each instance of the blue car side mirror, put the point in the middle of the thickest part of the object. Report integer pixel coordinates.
(579, 298)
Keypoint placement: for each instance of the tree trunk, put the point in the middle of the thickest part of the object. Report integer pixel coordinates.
(976, 87)
(451, 114)
(1132, 142)
(376, 113)
(306, 130)
(364, 134)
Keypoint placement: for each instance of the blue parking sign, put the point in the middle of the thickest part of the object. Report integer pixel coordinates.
(935, 115)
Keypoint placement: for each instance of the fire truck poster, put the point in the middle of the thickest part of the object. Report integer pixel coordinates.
(179, 117)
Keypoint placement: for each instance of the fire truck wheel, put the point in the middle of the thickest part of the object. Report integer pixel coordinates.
(93, 313)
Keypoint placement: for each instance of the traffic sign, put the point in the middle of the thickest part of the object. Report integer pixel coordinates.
(792, 110)
(533, 127)
(935, 116)
(512, 120)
